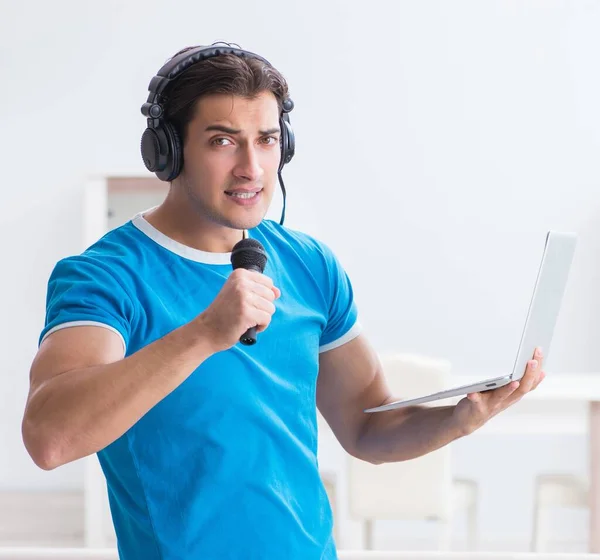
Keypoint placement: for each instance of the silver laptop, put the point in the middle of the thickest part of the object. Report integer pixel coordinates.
(539, 324)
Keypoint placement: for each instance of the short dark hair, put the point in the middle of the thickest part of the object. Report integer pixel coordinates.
(225, 73)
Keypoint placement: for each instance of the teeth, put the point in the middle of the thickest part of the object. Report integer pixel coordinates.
(243, 195)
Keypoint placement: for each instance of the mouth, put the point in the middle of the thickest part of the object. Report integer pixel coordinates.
(244, 196)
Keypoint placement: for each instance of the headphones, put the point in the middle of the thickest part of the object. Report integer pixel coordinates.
(161, 146)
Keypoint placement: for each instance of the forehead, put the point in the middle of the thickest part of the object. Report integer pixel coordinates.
(235, 109)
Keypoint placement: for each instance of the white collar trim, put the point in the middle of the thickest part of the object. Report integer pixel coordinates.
(178, 248)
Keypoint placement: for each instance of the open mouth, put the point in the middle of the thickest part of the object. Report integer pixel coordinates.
(245, 198)
(246, 195)
(243, 195)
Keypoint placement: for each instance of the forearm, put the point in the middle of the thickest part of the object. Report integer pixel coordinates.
(79, 412)
(406, 433)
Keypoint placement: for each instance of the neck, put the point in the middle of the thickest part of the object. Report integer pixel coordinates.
(177, 220)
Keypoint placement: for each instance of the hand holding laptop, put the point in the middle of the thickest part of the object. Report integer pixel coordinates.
(476, 409)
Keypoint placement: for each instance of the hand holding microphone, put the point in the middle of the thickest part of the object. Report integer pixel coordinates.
(249, 254)
(244, 306)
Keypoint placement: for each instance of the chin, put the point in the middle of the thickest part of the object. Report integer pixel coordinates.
(249, 221)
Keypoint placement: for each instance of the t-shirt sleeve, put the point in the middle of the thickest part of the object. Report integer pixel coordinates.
(83, 291)
(342, 316)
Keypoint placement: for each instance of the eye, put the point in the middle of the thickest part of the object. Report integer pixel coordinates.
(269, 140)
(221, 141)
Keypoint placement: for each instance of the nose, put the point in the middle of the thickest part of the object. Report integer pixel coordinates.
(248, 166)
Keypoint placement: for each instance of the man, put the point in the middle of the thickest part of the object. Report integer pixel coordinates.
(209, 447)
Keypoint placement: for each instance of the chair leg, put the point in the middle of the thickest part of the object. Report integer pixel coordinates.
(369, 534)
(472, 527)
(445, 541)
(468, 503)
(94, 533)
(536, 540)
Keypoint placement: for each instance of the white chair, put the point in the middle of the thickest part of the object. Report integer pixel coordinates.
(419, 555)
(552, 491)
(330, 483)
(29, 553)
(98, 530)
(419, 489)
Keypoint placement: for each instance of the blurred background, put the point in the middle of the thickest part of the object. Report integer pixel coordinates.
(437, 143)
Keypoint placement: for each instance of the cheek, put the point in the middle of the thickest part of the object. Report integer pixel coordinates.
(270, 161)
(206, 166)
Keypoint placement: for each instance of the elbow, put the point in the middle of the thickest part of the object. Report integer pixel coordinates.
(360, 446)
(42, 448)
(374, 460)
(44, 457)
(45, 462)
(366, 457)
(359, 451)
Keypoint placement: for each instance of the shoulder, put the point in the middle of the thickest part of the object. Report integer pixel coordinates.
(118, 245)
(108, 260)
(289, 243)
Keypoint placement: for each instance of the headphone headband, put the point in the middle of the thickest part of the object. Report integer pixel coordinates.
(180, 63)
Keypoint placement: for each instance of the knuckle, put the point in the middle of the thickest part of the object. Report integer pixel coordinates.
(269, 295)
(237, 280)
(247, 308)
(241, 291)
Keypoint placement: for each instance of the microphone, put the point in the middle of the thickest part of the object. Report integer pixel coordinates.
(249, 254)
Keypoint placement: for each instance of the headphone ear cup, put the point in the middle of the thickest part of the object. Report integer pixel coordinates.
(162, 152)
(173, 169)
(155, 151)
(288, 141)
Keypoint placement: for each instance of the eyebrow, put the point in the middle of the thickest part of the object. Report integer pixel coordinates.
(227, 130)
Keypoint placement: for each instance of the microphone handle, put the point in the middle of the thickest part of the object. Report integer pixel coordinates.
(249, 337)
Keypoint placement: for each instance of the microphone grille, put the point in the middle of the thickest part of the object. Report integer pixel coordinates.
(249, 253)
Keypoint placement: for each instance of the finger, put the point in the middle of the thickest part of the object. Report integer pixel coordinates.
(540, 358)
(262, 304)
(266, 282)
(260, 278)
(497, 397)
(479, 398)
(263, 321)
(503, 393)
(262, 291)
(475, 397)
(539, 380)
(538, 355)
(530, 376)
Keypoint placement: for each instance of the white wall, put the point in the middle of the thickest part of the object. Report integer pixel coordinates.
(437, 143)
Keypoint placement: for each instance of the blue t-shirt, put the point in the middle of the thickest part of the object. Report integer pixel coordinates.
(226, 465)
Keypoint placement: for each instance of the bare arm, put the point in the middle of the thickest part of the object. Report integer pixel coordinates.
(84, 395)
(351, 379)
